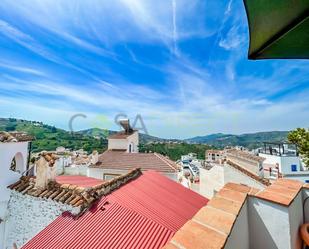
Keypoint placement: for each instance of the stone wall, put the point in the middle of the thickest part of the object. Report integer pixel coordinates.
(28, 215)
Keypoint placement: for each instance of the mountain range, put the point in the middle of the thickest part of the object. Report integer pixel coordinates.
(49, 137)
(249, 140)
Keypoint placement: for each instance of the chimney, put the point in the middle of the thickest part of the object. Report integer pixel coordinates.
(45, 169)
(94, 157)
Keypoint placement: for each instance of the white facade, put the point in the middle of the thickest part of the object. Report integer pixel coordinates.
(289, 166)
(107, 174)
(129, 144)
(214, 155)
(8, 151)
(27, 216)
(264, 224)
(213, 179)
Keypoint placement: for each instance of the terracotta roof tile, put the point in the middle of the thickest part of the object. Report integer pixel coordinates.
(289, 183)
(193, 235)
(282, 191)
(232, 195)
(244, 154)
(238, 187)
(127, 161)
(170, 246)
(215, 218)
(9, 137)
(212, 224)
(229, 206)
(273, 197)
(76, 196)
(254, 191)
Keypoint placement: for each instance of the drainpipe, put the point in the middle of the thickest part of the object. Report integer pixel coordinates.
(29, 155)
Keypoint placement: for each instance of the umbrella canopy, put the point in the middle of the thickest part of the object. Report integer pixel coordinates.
(279, 29)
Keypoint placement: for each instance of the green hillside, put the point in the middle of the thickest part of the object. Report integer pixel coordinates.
(250, 140)
(175, 150)
(49, 137)
(98, 132)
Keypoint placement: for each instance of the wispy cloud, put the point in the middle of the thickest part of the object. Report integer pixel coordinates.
(180, 64)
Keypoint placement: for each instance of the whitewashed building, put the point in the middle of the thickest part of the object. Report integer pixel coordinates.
(14, 156)
(283, 159)
(122, 156)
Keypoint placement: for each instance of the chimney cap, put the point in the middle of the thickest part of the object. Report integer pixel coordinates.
(125, 124)
(49, 157)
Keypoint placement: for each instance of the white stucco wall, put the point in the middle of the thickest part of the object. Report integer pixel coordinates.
(239, 236)
(253, 166)
(211, 180)
(123, 144)
(284, 162)
(305, 197)
(296, 220)
(214, 179)
(29, 215)
(233, 175)
(7, 177)
(269, 225)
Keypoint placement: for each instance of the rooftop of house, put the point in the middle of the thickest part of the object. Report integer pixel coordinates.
(125, 161)
(215, 151)
(212, 226)
(264, 181)
(244, 154)
(10, 137)
(143, 213)
(81, 181)
(122, 134)
(79, 195)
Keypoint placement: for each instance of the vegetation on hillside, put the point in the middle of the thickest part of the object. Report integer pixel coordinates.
(49, 137)
(300, 137)
(251, 141)
(175, 150)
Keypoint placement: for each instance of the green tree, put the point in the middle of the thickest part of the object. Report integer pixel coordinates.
(300, 137)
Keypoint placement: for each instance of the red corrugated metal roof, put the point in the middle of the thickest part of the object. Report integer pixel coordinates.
(145, 213)
(82, 181)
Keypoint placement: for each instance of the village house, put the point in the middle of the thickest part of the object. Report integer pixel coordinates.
(282, 159)
(230, 165)
(14, 156)
(243, 217)
(122, 156)
(134, 210)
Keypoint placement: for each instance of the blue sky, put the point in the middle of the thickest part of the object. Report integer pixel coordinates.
(182, 65)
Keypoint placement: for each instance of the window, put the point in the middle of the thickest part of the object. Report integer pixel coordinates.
(17, 163)
(294, 167)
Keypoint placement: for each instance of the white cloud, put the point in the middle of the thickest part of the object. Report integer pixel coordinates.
(234, 39)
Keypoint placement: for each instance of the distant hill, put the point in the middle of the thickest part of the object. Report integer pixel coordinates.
(49, 137)
(103, 133)
(250, 140)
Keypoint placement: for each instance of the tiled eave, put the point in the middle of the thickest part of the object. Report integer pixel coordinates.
(70, 194)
